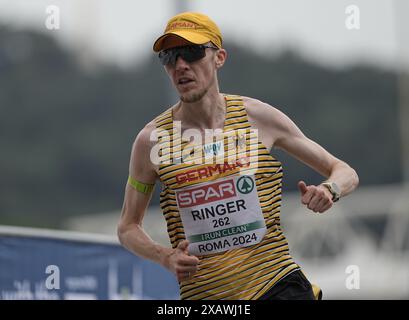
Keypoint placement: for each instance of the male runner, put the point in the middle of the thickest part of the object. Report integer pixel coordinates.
(223, 215)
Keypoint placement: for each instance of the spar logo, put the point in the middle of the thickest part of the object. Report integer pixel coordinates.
(245, 185)
(207, 193)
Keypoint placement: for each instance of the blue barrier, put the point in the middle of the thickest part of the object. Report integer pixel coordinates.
(41, 267)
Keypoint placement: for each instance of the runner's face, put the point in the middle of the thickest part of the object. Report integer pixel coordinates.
(193, 80)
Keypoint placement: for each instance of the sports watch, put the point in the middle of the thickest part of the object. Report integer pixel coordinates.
(334, 189)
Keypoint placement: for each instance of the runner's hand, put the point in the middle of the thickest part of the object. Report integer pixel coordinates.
(316, 198)
(183, 265)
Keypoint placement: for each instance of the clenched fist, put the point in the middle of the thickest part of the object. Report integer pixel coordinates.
(183, 265)
(316, 198)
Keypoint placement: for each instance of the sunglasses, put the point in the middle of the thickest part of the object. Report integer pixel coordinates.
(188, 53)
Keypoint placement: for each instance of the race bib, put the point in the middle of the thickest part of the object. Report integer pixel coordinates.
(222, 215)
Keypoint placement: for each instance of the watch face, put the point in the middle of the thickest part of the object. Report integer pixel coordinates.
(336, 189)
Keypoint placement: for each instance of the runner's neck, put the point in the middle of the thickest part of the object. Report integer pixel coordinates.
(208, 113)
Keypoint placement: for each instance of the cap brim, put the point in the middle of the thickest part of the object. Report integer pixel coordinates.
(192, 37)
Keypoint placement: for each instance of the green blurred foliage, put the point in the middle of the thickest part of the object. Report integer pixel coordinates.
(66, 134)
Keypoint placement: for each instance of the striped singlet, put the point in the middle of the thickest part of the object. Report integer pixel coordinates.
(241, 273)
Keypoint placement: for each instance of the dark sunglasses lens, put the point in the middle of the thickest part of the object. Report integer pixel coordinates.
(193, 53)
(165, 57)
(188, 53)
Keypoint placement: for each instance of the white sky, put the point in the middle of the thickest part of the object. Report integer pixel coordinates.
(124, 30)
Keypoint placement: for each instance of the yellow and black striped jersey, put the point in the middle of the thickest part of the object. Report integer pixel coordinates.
(240, 273)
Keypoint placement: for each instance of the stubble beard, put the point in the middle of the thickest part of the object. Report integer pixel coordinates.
(193, 97)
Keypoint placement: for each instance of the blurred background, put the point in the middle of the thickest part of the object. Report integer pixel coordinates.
(73, 98)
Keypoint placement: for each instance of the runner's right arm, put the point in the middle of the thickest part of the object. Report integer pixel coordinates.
(130, 231)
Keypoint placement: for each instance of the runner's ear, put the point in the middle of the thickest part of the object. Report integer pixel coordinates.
(220, 58)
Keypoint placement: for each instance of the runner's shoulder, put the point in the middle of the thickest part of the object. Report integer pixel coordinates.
(143, 141)
(144, 136)
(262, 112)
